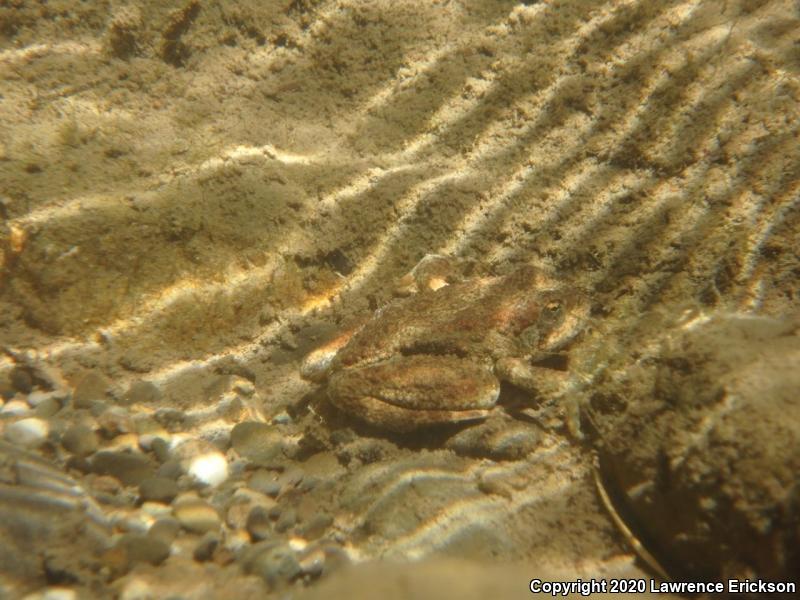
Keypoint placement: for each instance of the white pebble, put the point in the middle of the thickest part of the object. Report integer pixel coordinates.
(53, 593)
(15, 407)
(36, 397)
(29, 433)
(137, 589)
(210, 469)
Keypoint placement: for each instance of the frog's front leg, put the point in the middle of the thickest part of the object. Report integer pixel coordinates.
(545, 382)
(411, 392)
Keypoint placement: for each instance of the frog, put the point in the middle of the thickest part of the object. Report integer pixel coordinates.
(440, 355)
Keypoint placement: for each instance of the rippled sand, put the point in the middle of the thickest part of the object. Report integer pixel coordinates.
(194, 196)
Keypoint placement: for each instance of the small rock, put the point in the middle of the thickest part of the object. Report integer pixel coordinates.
(93, 387)
(500, 439)
(53, 593)
(28, 433)
(160, 448)
(242, 503)
(124, 442)
(137, 589)
(316, 526)
(36, 397)
(158, 489)
(196, 515)
(115, 421)
(80, 440)
(313, 563)
(275, 564)
(259, 524)
(21, 380)
(142, 392)
(148, 430)
(129, 467)
(143, 548)
(47, 408)
(260, 443)
(210, 468)
(206, 547)
(165, 529)
(244, 387)
(286, 521)
(15, 407)
(291, 478)
(170, 469)
(265, 482)
(282, 418)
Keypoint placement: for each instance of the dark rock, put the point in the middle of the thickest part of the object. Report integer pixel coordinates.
(160, 449)
(274, 563)
(260, 443)
(170, 469)
(47, 407)
(80, 440)
(128, 467)
(143, 548)
(21, 380)
(264, 481)
(158, 489)
(142, 392)
(206, 547)
(316, 526)
(166, 529)
(286, 521)
(93, 387)
(259, 524)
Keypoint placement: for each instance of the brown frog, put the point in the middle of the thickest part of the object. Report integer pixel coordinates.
(439, 355)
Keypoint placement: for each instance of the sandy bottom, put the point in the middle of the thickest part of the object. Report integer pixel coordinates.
(194, 196)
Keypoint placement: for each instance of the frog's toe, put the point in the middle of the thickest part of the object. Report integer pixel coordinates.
(317, 364)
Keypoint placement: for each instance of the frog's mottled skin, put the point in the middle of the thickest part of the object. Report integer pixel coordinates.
(439, 355)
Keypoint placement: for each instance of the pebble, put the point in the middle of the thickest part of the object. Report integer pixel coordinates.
(91, 388)
(155, 510)
(160, 448)
(206, 547)
(129, 467)
(15, 407)
(36, 397)
(53, 593)
(21, 380)
(149, 430)
(46, 409)
(28, 433)
(115, 421)
(170, 469)
(241, 503)
(209, 469)
(142, 392)
(196, 515)
(80, 440)
(282, 418)
(165, 529)
(158, 489)
(143, 548)
(244, 387)
(137, 589)
(286, 521)
(259, 524)
(276, 564)
(260, 443)
(265, 482)
(316, 526)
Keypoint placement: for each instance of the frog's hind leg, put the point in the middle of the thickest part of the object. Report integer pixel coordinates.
(378, 413)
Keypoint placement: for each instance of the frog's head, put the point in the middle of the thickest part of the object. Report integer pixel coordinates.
(559, 317)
